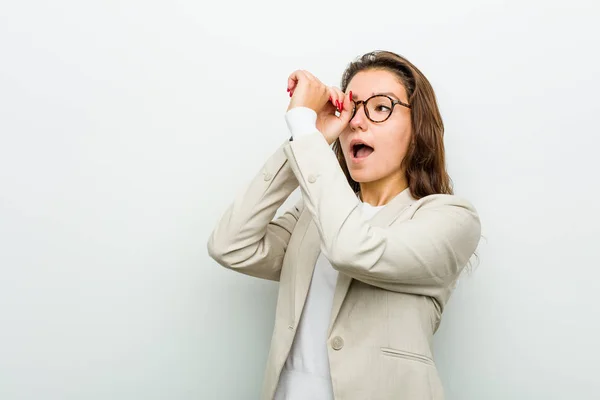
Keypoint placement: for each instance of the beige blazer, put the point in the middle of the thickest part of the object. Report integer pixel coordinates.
(396, 270)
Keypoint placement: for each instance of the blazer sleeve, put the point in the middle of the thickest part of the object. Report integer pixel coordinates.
(246, 238)
(422, 255)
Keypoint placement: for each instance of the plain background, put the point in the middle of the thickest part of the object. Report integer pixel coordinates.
(127, 127)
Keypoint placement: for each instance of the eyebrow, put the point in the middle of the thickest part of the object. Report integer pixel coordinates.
(373, 94)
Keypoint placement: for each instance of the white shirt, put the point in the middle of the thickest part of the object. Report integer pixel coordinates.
(305, 374)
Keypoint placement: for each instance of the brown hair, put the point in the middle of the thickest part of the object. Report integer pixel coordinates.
(425, 159)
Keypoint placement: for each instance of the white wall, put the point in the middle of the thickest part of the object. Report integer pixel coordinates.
(128, 126)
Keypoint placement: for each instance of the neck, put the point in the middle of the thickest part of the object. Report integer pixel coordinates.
(380, 192)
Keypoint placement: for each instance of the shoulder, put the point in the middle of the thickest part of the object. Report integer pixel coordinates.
(443, 211)
(444, 202)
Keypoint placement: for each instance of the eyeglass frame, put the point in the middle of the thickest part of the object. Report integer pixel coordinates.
(363, 102)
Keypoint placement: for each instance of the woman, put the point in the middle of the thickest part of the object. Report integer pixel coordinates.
(369, 257)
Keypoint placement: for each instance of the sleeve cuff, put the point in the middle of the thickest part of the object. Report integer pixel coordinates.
(301, 121)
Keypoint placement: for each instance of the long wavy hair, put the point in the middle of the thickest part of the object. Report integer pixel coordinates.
(424, 162)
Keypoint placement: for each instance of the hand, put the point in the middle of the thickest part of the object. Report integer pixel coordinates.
(307, 91)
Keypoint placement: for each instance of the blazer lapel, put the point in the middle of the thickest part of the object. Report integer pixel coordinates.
(384, 217)
(310, 246)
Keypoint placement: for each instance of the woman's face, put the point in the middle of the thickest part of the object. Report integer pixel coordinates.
(389, 139)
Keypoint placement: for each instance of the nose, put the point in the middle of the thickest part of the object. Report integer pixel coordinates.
(359, 120)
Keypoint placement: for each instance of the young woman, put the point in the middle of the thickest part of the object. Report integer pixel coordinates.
(369, 257)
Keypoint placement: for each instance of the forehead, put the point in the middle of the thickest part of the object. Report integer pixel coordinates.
(366, 83)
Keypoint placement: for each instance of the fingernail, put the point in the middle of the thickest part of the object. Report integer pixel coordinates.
(337, 104)
(351, 95)
(288, 89)
(329, 98)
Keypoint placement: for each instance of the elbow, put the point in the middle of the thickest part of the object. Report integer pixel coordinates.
(216, 250)
(212, 250)
(360, 252)
(339, 260)
(351, 259)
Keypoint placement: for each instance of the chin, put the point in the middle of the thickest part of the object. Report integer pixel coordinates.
(361, 176)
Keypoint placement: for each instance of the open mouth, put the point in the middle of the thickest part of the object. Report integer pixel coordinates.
(361, 151)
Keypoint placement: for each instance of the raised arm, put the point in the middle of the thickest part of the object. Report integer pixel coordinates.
(422, 255)
(247, 239)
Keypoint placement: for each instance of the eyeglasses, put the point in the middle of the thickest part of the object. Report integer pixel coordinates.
(378, 108)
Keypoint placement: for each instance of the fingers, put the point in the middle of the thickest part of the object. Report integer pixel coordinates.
(306, 90)
(295, 78)
(333, 97)
(347, 107)
(291, 87)
(347, 100)
(292, 83)
(337, 97)
(310, 76)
